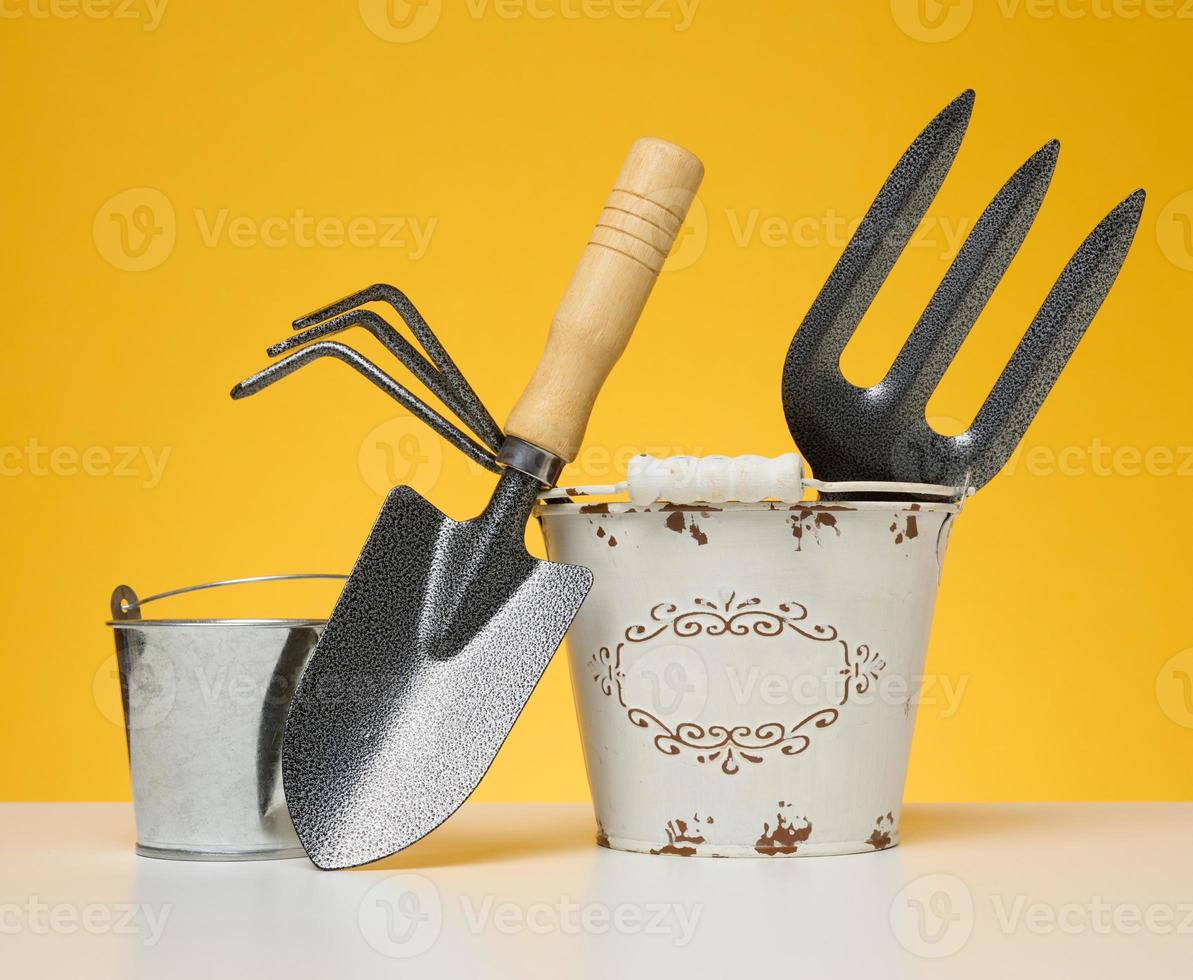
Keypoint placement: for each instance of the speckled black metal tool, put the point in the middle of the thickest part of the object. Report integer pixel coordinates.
(439, 373)
(880, 433)
(436, 369)
(444, 627)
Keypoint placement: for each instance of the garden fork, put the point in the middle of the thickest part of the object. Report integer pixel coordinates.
(880, 433)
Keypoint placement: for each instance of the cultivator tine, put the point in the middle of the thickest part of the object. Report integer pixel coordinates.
(398, 345)
(476, 416)
(878, 242)
(1051, 338)
(330, 348)
(972, 277)
(444, 388)
(379, 292)
(383, 293)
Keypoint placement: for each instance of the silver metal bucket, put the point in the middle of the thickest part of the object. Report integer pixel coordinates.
(205, 701)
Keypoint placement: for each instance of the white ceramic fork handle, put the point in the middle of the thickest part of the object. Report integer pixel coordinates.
(715, 479)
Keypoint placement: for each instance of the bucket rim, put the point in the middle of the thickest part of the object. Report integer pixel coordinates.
(619, 508)
(258, 623)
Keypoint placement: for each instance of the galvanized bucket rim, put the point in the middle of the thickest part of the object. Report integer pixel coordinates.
(126, 605)
(260, 623)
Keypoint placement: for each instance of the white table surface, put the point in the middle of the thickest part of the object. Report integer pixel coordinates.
(505, 890)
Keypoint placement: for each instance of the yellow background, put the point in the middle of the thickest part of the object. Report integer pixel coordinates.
(498, 126)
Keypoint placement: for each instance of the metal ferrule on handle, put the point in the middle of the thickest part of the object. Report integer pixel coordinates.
(537, 463)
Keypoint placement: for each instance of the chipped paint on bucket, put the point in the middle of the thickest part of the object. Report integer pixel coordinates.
(746, 674)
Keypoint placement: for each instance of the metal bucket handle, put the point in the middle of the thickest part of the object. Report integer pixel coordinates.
(126, 605)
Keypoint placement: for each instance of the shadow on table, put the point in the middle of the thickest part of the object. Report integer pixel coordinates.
(481, 834)
(931, 822)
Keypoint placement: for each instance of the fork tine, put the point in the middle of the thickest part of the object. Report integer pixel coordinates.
(1051, 338)
(878, 242)
(972, 277)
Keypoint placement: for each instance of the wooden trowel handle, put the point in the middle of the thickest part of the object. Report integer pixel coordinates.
(606, 295)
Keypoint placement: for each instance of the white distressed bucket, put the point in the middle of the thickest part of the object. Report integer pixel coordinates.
(746, 674)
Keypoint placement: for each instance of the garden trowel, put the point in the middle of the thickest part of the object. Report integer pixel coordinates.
(444, 627)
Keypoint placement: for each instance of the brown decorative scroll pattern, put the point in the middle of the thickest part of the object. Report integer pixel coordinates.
(726, 744)
(730, 745)
(861, 669)
(607, 672)
(734, 618)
